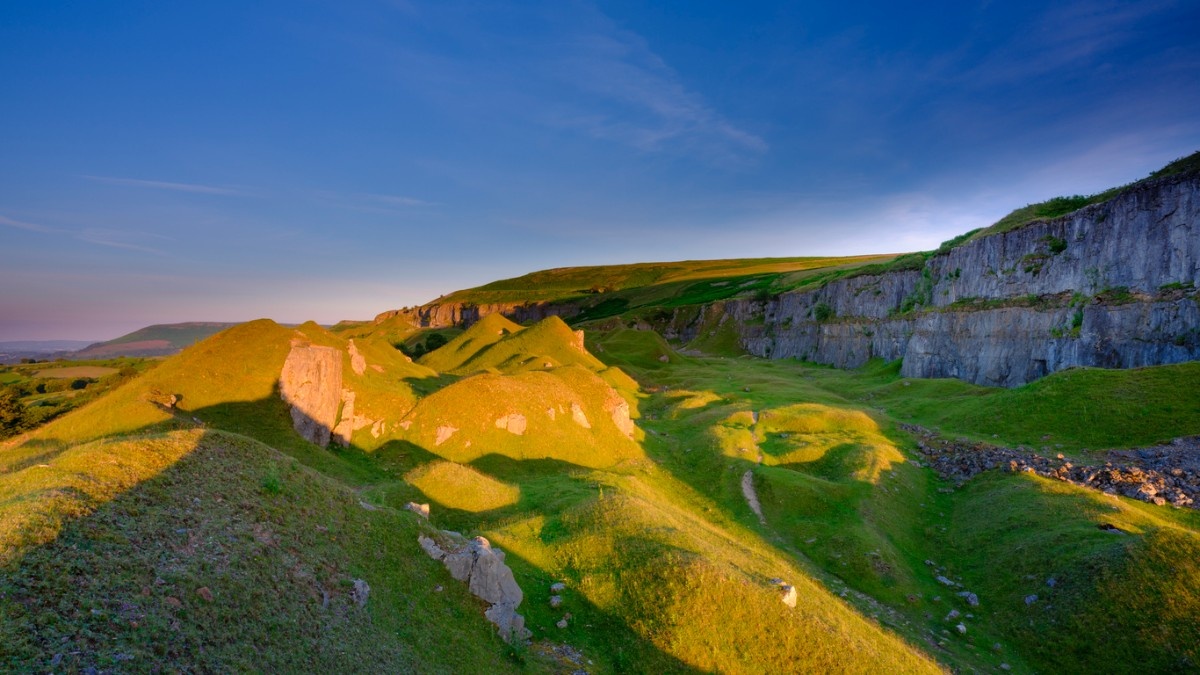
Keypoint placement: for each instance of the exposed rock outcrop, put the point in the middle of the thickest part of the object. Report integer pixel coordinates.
(1165, 474)
(1112, 285)
(311, 383)
(487, 576)
(350, 420)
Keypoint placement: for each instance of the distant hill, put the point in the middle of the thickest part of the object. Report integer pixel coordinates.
(15, 350)
(156, 340)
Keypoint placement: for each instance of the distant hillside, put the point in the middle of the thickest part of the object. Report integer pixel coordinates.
(157, 340)
(584, 293)
(14, 351)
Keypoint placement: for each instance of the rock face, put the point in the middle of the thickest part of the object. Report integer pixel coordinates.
(487, 576)
(446, 314)
(311, 383)
(1113, 285)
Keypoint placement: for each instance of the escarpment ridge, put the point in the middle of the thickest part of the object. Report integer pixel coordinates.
(1112, 284)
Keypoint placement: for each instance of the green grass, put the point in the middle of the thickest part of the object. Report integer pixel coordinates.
(195, 565)
(1072, 409)
(119, 513)
(838, 491)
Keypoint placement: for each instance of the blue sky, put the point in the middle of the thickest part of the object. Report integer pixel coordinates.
(172, 161)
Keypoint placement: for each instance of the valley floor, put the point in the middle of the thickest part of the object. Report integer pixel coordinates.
(212, 538)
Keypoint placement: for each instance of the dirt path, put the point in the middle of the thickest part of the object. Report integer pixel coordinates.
(752, 496)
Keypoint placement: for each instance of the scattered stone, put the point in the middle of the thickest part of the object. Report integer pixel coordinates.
(971, 598)
(664, 359)
(788, 595)
(944, 581)
(360, 592)
(487, 576)
(580, 418)
(1162, 474)
(1005, 666)
(1109, 527)
(952, 615)
(562, 623)
(419, 509)
(438, 588)
(962, 628)
(443, 434)
(1051, 582)
(513, 423)
(556, 601)
(1030, 599)
(929, 562)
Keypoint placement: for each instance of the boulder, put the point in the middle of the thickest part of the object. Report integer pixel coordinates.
(419, 509)
(486, 575)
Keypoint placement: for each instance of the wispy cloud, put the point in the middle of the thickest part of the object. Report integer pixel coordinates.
(1067, 36)
(570, 68)
(113, 240)
(641, 100)
(31, 227)
(165, 185)
(122, 239)
(372, 203)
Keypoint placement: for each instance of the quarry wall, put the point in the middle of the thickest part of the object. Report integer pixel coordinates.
(1111, 285)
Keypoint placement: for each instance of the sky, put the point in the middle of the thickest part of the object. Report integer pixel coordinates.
(224, 161)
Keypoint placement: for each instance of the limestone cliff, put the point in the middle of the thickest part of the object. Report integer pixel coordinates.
(1111, 285)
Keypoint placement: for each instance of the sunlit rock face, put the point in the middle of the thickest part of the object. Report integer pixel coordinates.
(1112, 285)
(311, 383)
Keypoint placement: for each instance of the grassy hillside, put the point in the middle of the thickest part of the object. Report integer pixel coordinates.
(202, 550)
(157, 340)
(198, 547)
(838, 487)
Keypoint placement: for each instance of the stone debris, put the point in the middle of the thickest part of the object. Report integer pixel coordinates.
(944, 581)
(962, 628)
(954, 614)
(664, 359)
(1030, 599)
(787, 592)
(419, 509)
(971, 598)
(360, 592)
(443, 434)
(513, 423)
(562, 623)
(1162, 474)
(556, 601)
(486, 575)
(580, 418)
(558, 587)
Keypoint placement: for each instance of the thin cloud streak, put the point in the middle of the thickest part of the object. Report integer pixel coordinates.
(30, 227)
(194, 188)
